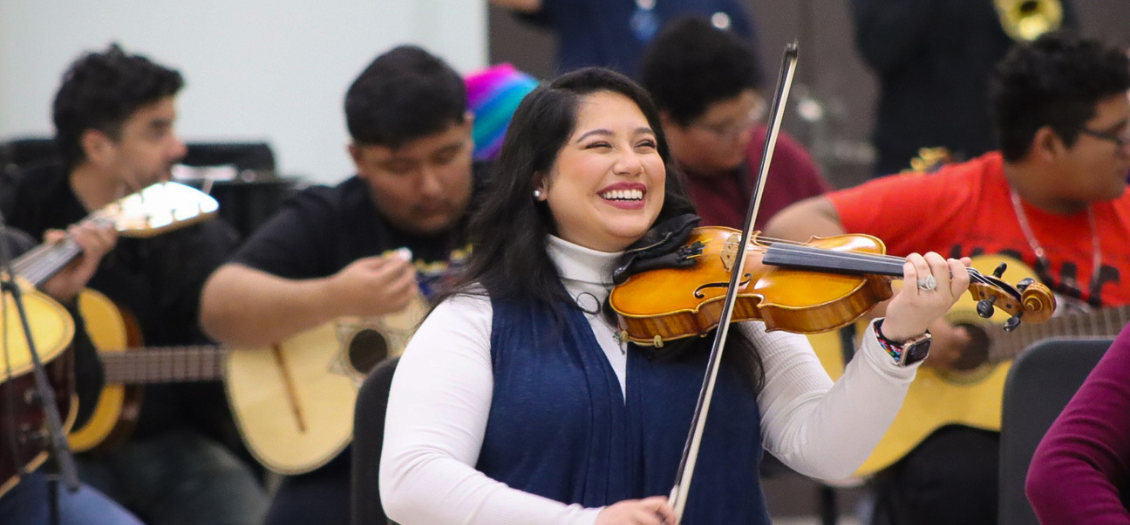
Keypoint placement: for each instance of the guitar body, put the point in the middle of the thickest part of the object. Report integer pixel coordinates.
(52, 328)
(293, 401)
(939, 398)
(294, 414)
(934, 401)
(118, 405)
(30, 419)
(158, 208)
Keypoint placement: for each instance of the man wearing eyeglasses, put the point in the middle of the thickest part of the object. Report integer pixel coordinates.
(1054, 196)
(706, 83)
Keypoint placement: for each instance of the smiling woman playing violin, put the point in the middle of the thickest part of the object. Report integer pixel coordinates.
(517, 402)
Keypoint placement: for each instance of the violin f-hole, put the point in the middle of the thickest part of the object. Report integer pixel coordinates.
(698, 291)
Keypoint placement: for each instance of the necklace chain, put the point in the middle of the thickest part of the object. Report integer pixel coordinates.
(1041, 256)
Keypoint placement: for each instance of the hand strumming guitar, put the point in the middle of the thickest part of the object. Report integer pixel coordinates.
(374, 285)
(948, 346)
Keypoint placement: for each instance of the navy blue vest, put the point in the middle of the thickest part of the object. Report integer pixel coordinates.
(559, 426)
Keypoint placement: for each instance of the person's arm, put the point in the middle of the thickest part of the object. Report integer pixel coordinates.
(1080, 461)
(244, 306)
(286, 278)
(815, 216)
(827, 431)
(427, 463)
(819, 429)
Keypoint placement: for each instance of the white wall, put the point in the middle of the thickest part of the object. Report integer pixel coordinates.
(273, 70)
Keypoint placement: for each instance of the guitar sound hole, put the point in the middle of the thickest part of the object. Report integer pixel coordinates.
(976, 353)
(366, 350)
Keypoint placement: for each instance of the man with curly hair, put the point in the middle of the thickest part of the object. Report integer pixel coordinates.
(1054, 197)
(114, 119)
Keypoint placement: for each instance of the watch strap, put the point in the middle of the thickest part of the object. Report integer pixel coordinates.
(896, 350)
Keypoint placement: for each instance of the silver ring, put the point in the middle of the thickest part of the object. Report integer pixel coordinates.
(928, 283)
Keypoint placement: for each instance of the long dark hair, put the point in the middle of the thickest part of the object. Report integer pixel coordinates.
(509, 229)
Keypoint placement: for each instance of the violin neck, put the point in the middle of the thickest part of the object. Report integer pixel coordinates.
(831, 261)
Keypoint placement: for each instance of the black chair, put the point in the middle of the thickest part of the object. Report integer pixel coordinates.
(27, 151)
(254, 160)
(1040, 384)
(368, 437)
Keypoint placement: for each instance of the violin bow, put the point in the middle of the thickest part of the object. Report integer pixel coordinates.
(678, 497)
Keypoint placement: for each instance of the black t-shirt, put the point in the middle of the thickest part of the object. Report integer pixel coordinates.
(323, 229)
(156, 280)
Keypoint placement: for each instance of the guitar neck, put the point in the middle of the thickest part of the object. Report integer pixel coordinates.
(39, 264)
(158, 208)
(1104, 322)
(176, 364)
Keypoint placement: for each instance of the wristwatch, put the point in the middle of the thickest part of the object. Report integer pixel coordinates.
(907, 352)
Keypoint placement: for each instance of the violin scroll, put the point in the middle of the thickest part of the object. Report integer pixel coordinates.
(1031, 301)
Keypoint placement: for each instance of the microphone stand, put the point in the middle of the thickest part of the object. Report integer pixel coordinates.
(60, 463)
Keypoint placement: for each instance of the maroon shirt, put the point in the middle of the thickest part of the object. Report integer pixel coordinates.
(723, 200)
(1084, 460)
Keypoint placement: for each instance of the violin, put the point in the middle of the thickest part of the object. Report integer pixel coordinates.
(806, 288)
(811, 287)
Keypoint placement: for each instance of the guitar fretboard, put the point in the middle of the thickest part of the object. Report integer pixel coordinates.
(164, 365)
(45, 260)
(1105, 322)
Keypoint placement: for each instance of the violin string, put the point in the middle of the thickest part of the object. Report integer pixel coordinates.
(974, 274)
(773, 240)
(893, 258)
(39, 262)
(832, 253)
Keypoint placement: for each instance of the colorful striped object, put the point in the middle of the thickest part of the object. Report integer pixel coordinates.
(492, 96)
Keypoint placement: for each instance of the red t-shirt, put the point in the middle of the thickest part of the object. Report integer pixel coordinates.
(966, 210)
(723, 200)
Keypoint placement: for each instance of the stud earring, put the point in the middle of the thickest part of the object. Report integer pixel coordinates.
(537, 194)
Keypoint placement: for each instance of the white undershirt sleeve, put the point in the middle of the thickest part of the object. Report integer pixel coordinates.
(818, 428)
(437, 415)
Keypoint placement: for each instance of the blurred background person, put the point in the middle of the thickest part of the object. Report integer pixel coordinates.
(933, 60)
(707, 84)
(614, 33)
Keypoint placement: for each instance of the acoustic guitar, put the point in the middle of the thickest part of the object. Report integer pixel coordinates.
(972, 396)
(156, 209)
(127, 367)
(293, 400)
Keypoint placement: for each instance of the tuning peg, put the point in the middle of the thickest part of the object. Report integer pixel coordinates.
(1012, 322)
(999, 271)
(985, 307)
(1025, 283)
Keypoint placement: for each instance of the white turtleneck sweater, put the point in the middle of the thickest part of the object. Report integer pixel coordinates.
(441, 398)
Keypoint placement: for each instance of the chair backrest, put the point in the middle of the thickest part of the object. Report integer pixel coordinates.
(368, 437)
(254, 156)
(1040, 384)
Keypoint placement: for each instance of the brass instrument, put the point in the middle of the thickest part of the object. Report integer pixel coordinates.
(1026, 20)
(930, 160)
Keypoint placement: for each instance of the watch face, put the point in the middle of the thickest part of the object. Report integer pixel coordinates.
(916, 352)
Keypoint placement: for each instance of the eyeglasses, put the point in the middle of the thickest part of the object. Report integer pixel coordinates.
(1119, 139)
(731, 130)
